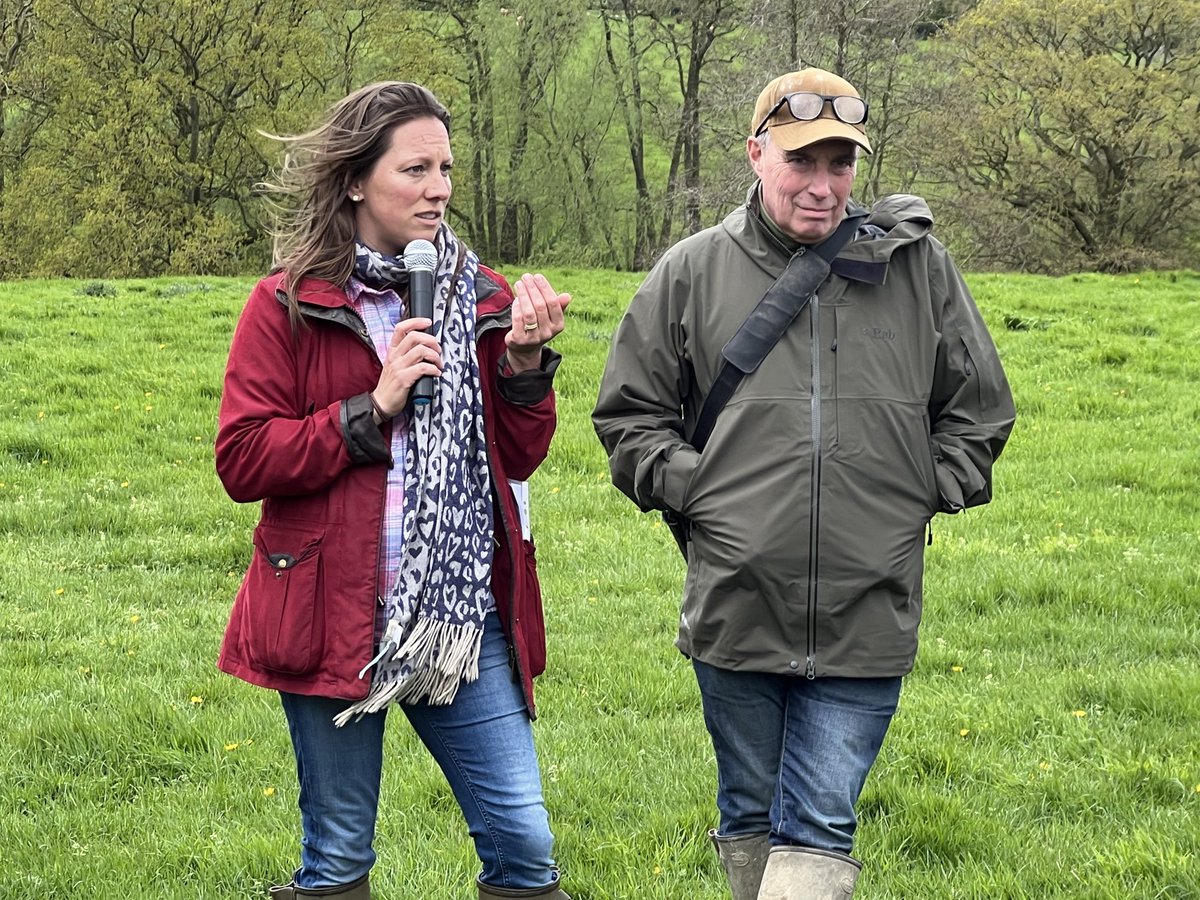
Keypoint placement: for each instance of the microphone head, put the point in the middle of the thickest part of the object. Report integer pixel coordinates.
(420, 255)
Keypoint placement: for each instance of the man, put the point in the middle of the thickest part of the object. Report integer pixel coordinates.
(883, 404)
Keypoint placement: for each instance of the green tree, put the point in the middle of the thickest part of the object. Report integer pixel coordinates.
(17, 24)
(1070, 132)
(664, 114)
(151, 145)
(506, 54)
(691, 32)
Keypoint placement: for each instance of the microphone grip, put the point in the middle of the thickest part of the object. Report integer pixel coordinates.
(420, 296)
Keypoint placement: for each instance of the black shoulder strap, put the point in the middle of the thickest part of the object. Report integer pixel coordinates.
(806, 271)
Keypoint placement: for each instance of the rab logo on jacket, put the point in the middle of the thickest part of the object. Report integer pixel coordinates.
(879, 334)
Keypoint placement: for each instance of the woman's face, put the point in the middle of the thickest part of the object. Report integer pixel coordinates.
(403, 196)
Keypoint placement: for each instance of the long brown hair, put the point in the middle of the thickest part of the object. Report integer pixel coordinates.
(312, 216)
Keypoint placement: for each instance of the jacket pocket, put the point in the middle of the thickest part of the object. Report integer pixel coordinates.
(285, 628)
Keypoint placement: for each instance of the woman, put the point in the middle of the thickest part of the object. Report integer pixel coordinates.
(389, 562)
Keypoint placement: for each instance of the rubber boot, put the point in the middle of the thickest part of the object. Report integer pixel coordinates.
(804, 873)
(549, 892)
(744, 856)
(356, 890)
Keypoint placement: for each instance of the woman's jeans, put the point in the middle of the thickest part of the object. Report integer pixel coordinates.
(793, 753)
(483, 743)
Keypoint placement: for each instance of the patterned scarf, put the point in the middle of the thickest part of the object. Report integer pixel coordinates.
(434, 629)
(380, 270)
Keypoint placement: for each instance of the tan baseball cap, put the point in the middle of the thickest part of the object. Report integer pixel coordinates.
(792, 134)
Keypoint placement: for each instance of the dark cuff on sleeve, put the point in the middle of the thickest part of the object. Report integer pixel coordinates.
(364, 440)
(532, 387)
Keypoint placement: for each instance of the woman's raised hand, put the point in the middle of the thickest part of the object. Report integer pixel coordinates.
(537, 316)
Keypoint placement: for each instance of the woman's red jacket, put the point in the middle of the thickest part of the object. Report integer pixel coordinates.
(296, 432)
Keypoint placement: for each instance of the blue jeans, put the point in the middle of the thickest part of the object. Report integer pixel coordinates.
(483, 743)
(793, 754)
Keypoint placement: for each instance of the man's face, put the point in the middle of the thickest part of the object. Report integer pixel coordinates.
(805, 191)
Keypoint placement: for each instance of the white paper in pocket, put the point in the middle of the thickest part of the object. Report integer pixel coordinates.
(520, 491)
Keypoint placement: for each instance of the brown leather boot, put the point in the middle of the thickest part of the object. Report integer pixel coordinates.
(357, 890)
(804, 873)
(744, 856)
(549, 892)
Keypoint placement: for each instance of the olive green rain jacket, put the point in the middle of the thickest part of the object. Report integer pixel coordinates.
(883, 404)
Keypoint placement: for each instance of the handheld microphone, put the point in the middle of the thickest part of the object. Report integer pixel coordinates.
(420, 259)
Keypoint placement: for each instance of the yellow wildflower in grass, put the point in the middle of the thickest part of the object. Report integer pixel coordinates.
(963, 732)
(231, 746)
(124, 484)
(268, 792)
(196, 700)
(134, 619)
(85, 670)
(956, 668)
(658, 870)
(1080, 713)
(59, 591)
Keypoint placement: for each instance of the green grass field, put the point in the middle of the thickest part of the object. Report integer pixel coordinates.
(1047, 745)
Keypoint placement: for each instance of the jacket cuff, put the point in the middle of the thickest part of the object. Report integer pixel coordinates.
(364, 440)
(531, 387)
(676, 474)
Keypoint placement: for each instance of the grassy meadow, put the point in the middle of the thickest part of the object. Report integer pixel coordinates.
(1048, 741)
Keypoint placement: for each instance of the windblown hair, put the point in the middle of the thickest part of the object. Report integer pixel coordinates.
(312, 216)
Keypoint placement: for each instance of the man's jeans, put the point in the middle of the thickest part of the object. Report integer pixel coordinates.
(793, 754)
(483, 743)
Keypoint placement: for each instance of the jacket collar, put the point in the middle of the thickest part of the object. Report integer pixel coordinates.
(892, 223)
(766, 242)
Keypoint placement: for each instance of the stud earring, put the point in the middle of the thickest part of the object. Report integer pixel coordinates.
(356, 197)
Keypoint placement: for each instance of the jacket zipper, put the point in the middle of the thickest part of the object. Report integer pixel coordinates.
(346, 317)
(484, 324)
(814, 511)
(514, 658)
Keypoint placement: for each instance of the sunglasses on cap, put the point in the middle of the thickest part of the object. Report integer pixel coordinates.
(806, 106)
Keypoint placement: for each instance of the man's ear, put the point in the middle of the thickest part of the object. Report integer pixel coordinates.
(754, 150)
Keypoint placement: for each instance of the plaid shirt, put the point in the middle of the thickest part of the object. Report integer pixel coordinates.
(380, 311)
